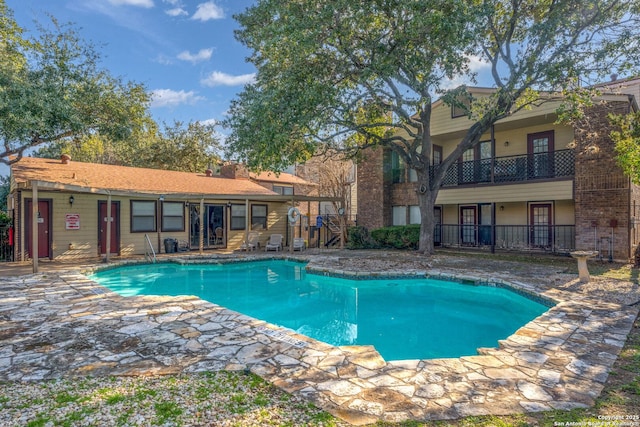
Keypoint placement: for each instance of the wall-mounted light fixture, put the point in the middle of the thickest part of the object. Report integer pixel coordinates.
(501, 207)
(228, 204)
(71, 200)
(506, 143)
(162, 197)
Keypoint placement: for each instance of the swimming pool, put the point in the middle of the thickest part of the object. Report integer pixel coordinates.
(402, 318)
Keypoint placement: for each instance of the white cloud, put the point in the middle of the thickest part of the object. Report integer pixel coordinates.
(209, 122)
(138, 3)
(163, 59)
(173, 2)
(170, 98)
(218, 78)
(476, 65)
(178, 11)
(207, 11)
(203, 55)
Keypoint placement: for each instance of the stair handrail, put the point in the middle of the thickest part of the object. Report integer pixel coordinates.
(146, 251)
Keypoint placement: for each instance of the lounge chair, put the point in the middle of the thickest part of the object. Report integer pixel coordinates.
(299, 244)
(251, 243)
(274, 243)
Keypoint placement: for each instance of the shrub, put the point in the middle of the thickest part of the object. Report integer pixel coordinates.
(397, 236)
(359, 238)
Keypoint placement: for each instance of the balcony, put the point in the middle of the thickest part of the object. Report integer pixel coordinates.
(500, 170)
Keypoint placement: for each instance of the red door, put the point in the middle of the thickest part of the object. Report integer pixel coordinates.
(102, 227)
(44, 228)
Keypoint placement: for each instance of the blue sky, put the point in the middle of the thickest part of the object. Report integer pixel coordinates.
(183, 51)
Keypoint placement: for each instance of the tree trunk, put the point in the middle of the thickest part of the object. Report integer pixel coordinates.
(427, 201)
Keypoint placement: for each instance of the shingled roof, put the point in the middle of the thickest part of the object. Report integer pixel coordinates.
(136, 180)
(280, 178)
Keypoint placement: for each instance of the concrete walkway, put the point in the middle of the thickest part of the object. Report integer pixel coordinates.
(60, 324)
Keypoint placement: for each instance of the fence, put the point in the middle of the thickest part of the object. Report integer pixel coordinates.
(541, 238)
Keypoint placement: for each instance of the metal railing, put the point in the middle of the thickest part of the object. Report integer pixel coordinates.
(554, 164)
(149, 252)
(542, 238)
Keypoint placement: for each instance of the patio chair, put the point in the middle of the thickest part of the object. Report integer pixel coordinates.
(219, 236)
(299, 244)
(252, 243)
(274, 243)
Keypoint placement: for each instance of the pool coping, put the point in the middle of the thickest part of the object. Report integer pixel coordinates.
(560, 360)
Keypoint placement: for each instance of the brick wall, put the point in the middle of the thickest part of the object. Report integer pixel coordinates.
(374, 210)
(602, 193)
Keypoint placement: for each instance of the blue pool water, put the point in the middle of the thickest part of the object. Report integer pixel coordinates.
(402, 318)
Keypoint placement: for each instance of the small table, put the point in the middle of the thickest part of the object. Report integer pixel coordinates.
(582, 256)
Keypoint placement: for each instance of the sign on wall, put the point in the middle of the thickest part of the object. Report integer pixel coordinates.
(72, 221)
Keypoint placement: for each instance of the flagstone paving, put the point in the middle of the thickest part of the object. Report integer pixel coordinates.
(61, 324)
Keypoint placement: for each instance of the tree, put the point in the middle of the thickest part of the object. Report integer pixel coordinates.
(627, 143)
(190, 148)
(334, 175)
(5, 185)
(97, 148)
(51, 89)
(331, 70)
(193, 148)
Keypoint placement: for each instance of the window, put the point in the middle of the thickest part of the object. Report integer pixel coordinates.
(283, 189)
(399, 215)
(397, 168)
(143, 216)
(172, 216)
(238, 217)
(437, 154)
(414, 215)
(259, 216)
(413, 175)
(461, 106)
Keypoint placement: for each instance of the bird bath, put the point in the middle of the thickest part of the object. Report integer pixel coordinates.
(582, 256)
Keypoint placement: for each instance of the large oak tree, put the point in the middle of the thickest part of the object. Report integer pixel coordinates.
(351, 75)
(52, 89)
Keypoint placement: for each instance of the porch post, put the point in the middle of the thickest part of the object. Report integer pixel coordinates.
(34, 225)
(23, 242)
(247, 220)
(108, 237)
(293, 229)
(308, 224)
(201, 242)
(493, 228)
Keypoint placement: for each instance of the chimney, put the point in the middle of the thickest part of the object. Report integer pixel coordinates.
(65, 159)
(234, 171)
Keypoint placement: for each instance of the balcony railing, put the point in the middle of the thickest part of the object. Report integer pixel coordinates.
(542, 238)
(528, 167)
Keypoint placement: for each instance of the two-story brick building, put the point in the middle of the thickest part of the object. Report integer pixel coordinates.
(530, 184)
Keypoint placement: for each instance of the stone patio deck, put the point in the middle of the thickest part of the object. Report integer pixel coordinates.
(61, 324)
